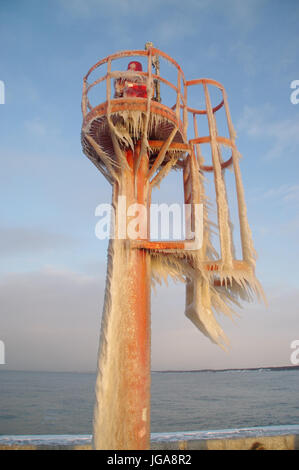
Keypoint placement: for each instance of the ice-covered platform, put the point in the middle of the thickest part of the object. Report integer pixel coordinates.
(257, 438)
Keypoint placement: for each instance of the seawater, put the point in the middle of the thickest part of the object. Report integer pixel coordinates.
(62, 403)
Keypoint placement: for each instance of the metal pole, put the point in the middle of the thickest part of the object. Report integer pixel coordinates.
(122, 410)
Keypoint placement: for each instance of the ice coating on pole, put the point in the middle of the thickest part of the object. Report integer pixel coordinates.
(121, 417)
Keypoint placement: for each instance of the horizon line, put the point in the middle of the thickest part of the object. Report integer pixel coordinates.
(162, 371)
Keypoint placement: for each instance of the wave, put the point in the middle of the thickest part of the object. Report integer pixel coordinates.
(85, 439)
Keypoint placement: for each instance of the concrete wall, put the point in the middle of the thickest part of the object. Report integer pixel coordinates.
(283, 442)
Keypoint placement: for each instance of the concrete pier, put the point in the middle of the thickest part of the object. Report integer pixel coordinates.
(259, 438)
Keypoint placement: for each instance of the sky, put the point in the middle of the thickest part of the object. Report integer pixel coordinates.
(53, 268)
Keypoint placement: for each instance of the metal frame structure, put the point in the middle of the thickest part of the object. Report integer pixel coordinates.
(135, 142)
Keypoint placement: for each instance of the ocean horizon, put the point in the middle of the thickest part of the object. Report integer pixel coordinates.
(232, 369)
(61, 403)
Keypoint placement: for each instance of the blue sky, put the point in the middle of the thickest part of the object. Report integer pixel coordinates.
(49, 189)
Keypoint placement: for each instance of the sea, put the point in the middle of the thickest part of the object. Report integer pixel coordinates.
(61, 403)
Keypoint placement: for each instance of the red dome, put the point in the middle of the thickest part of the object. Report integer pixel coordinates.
(134, 65)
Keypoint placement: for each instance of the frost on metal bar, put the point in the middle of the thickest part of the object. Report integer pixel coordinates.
(135, 141)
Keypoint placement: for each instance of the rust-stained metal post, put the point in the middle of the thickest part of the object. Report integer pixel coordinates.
(123, 383)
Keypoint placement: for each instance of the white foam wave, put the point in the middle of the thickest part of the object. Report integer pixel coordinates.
(85, 439)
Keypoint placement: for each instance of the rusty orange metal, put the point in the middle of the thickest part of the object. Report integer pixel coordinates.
(147, 159)
(134, 415)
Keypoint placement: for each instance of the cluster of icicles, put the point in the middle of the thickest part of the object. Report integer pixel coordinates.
(204, 298)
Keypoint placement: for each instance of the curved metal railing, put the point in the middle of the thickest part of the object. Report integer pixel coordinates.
(181, 90)
(213, 138)
(180, 87)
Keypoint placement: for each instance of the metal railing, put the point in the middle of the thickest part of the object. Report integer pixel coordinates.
(180, 87)
(181, 90)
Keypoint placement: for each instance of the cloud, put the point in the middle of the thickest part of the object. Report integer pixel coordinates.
(286, 193)
(245, 54)
(258, 123)
(164, 21)
(92, 8)
(43, 129)
(49, 320)
(36, 127)
(261, 337)
(244, 15)
(22, 240)
(50, 189)
(174, 27)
